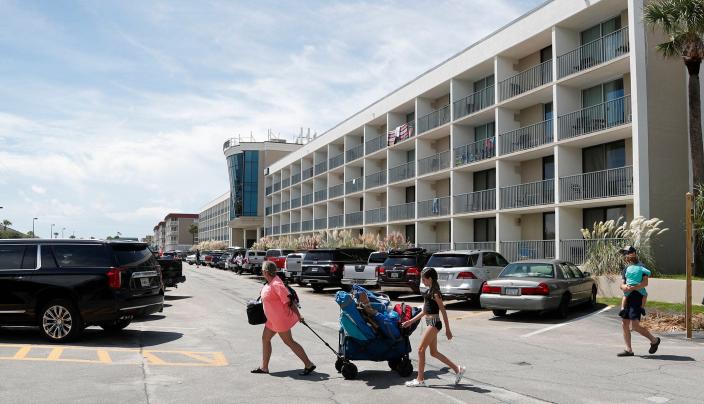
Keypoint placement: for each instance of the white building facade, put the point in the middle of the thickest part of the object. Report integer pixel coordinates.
(565, 117)
(213, 219)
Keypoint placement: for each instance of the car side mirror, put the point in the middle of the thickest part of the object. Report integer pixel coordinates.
(587, 274)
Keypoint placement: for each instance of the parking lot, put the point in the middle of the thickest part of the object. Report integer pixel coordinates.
(201, 349)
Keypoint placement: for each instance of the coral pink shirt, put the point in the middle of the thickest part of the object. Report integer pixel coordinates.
(279, 316)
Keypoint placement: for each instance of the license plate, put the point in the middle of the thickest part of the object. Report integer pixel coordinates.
(395, 275)
(314, 269)
(511, 291)
(444, 277)
(145, 282)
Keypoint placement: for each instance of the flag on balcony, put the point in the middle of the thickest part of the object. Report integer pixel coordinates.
(402, 132)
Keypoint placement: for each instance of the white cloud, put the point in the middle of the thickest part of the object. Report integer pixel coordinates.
(38, 190)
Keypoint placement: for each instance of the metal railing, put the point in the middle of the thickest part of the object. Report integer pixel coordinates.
(402, 172)
(529, 194)
(321, 223)
(595, 118)
(268, 231)
(354, 219)
(295, 179)
(597, 184)
(277, 208)
(375, 144)
(336, 161)
(336, 221)
(354, 153)
(269, 189)
(307, 173)
(527, 137)
(285, 228)
(593, 53)
(434, 163)
(295, 227)
(285, 182)
(295, 202)
(277, 186)
(434, 247)
(336, 190)
(476, 245)
(375, 180)
(375, 216)
(434, 207)
(267, 210)
(478, 201)
(526, 80)
(321, 167)
(577, 251)
(307, 225)
(527, 249)
(307, 199)
(434, 119)
(321, 195)
(285, 205)
(477, 151)
(474, 102)
(405, 211)
(354, 185)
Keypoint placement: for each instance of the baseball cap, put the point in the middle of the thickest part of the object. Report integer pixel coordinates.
(629, 249)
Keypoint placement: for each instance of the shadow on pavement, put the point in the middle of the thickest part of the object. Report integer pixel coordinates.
(535, 317)
(171, 297)
(674, 358)
(151, 317)
(293, 374)
(460, 387)
(92, 337)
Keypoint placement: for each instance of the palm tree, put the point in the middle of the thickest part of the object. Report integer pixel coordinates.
(682, 21)
(193, 229)
(6, 223)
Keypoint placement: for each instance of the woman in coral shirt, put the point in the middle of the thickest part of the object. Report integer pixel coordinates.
(281, 316)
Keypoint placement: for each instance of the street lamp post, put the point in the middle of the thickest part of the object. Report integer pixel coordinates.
(34, 235)
(51, 235)
(62, 232)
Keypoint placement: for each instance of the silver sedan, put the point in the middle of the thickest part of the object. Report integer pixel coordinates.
(539, 285)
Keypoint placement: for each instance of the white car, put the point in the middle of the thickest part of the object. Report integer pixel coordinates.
(365, 275)
(191, 259)
(292, 267)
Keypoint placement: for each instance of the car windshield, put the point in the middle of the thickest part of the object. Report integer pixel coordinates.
(377, 258)
(131, 255)
(400, 261)
(452, 260)
(318, 256)
(527, 270)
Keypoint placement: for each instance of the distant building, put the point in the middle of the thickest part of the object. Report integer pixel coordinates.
(213, 220)
(172, 233)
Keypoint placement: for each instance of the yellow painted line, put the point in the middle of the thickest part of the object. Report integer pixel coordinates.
(472, 314)
(153, 359)
(218, 359)
(104, 356)
(55, 354)
(22, 352)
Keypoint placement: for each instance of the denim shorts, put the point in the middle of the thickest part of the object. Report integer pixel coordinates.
(632, 309)
(434, 321)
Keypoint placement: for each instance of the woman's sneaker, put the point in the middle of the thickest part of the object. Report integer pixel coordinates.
(416, 383)
(458, 376)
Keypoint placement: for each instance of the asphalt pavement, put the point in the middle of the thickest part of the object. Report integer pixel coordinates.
(201, 350)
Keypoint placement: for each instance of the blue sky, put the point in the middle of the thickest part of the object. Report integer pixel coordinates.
(113, 113)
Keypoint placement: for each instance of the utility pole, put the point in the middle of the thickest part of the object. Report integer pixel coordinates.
(689, 264)
(34, 235)
(51, 235)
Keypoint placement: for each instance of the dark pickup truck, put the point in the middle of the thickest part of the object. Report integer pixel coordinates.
(324, 267)
(171, 272)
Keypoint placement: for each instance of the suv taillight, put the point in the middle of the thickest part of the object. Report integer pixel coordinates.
(491, 289)
(378, 270)
(115, 277)
(381, 270)
(334, 268)
(466, 275)
(543, 289)
(412, 271)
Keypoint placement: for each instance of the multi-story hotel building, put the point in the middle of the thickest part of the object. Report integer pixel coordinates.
(565, 117)
(173, 233)
(213, 220)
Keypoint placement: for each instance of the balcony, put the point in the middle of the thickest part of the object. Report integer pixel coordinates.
(277, 186)
(406, 211)
(268, 231)
(354, 219)
(477, 151)
(307, 173)
(529, 194)
(375, 216)
(267, 210)
(354, 185)
(476, 245)
(434, 163)
(375, 180)
(354, 153)
(307, 199)
(597, 184)
(593, 53)
(321, 224)
(434, 247)
(307, 225)
(479, 201)
(295, 227)
(277, 208)
(285, 183)
(269, 189)
(277, 230)
(295, 179)
(295, 203)
(336, 190)
(336, 221)
(474, 102)
(321, 167)
(526, 80)
(321, 195)
(336, 161)
(375, 144)
(577, 251)
(285, 205)
(402, 172)
(434, 207)
(434, 119)
(526, 137)
(528, 249)
(596, 118)
(285, 228)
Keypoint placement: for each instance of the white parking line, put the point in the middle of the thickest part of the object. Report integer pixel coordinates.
(552, 327)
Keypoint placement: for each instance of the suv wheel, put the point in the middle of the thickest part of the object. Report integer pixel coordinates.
(59, 321)
(117, 325)
(317, 288)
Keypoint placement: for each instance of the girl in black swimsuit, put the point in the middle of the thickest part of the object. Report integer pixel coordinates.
(432, 308)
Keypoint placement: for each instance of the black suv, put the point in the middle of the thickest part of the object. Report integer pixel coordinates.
(401, 271)
(64, 286)
(324, 267)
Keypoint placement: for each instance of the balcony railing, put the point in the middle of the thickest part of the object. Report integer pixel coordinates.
(276, 230)
(307, 225)
(321, 223)
(375, 144)
(402, 172)
(477, 151)
(478, 201)
(375, 216)
(285, 183)
(597, 184)
(295, 227)
(277, 208)
(577, 251)
(354, 185)
(474, 102)
(277, 186)
(268, 230)
(434, 247)
(321, 195)
(269, 189)
(434, 163)
(476, 245)
(354, 153)
(295, 179)
(354, 219)
(434, 207)
(285, 205)
(321, 167)
(295, 202)
(529, 194)
(527, 137)
(526, 80)
(528, 249)
(336, 161)
(434, 119)
(593, 53)
(336, 190)
(375, 180)
(336, 221)
(285, 228)
(307, 173)
(405, 211)
(307, 199)
(595, 118)
(268, 210)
